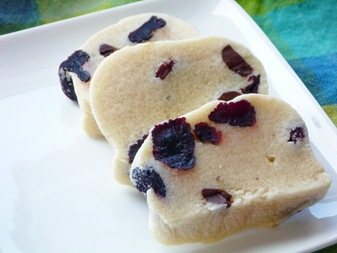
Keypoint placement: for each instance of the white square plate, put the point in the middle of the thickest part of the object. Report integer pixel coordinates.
(57, 193)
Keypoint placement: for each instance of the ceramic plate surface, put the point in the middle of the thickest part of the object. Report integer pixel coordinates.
(57, 193)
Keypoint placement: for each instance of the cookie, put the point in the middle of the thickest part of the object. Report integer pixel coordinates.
(140, 86)
(226, 167)
(76, 72)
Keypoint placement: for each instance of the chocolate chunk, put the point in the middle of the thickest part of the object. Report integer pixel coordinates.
(296, 134)
(145, 31)
(240, 113)
(149, 178)
(235, 62)
(135, 147)
(106, 49)
(254, 86)
(67, 84)
(73, 64)
(165, 69)
(173, 144)
(206, 133)
(217, 196)
(226, 96)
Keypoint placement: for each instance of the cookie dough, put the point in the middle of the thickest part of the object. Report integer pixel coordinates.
(139, 86)
(77, 71)
(226, 167)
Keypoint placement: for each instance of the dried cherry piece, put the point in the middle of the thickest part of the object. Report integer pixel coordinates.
(296, 134)
(206, 133)
(73, 64)
(173, 144)
(217, 196)
(106, 49)
(148, 178)
(133, 149)
(226, 96)
(254, 86)
(164, 69)
(240, 113)
(235, 62)
(145, 31)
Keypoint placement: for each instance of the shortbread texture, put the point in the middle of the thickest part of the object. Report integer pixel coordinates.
(137, 87)
(117, 36)
(269, 171)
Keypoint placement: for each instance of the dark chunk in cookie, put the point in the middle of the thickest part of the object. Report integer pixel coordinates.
(149, 178)
(240, 113)
(254, 86)
(73, 64)
(106, 49)
(226, 96)
(164, 69)
(173, 144)
(217, 196)
(145, 31)
(235, 62)
(135, 147)
(296, 134)
(206, 133)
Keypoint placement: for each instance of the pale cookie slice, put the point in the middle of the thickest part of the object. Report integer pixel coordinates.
(226, 167)
(139, 86)
(76, 72)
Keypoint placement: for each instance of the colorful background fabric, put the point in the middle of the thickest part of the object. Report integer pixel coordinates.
(304, 31)
(16, 15)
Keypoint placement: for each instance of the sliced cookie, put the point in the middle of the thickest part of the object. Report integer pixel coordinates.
(139, 86)
(225, 167)
(76, 72)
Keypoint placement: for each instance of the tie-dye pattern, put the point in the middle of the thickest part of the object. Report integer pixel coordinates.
(305, 32)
